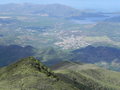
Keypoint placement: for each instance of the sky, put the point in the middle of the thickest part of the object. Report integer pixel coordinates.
(99, 5)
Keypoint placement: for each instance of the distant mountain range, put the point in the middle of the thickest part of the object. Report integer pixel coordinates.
(12, 53)
(107, 57)
(92, 54)
(53, 10)
(30, 74)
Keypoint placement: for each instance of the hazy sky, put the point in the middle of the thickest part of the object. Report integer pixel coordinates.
(103, 5)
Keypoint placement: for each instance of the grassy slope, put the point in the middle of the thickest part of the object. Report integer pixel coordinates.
(89, 77)
(30, 74)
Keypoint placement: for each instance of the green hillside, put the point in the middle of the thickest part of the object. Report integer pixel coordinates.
(88, 76)
(30, 74)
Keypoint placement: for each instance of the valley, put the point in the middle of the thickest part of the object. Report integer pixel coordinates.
(42, 31)
(58, 47)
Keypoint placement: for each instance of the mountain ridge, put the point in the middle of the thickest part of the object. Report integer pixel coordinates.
(11, 53)
(89, 76)
(30, 74)
(52, 10)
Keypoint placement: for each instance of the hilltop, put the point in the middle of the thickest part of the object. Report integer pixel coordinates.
(30, 74)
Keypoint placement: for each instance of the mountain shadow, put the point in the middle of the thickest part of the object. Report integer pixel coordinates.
(12, 53)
